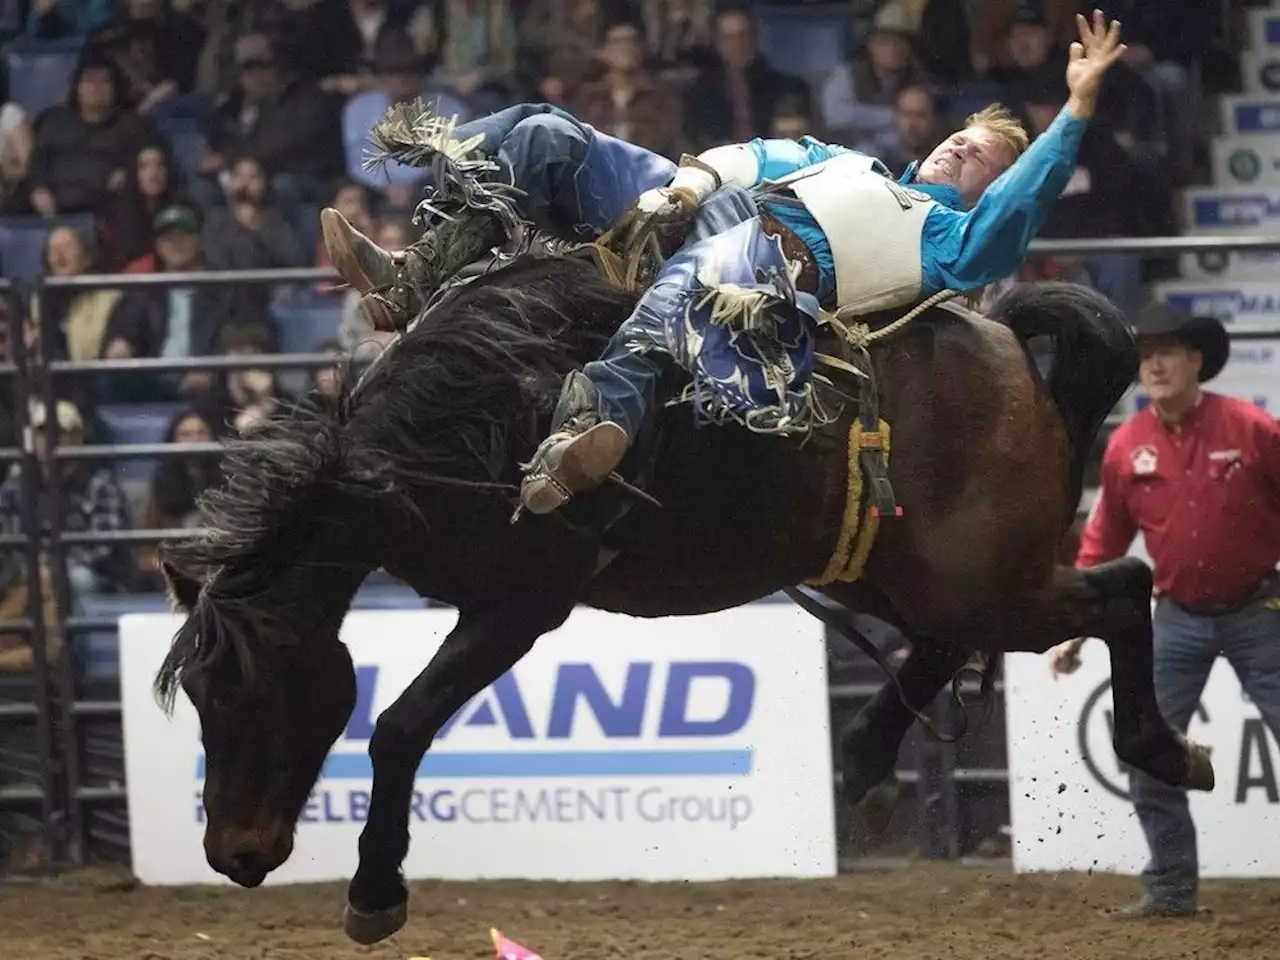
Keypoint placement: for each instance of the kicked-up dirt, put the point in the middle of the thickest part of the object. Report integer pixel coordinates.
(919, 912)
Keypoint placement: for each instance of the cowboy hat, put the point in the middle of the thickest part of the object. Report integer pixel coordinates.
(1205, 334)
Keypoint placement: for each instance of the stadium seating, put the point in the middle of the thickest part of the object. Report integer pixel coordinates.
(810, 39)
(40, 71)
(97, 652)
(305, 320)
(22, 241)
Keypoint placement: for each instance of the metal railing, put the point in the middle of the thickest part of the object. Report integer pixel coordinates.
(63, 795)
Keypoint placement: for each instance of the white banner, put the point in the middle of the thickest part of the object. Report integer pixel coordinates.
(693, 748)
(1249, 114)
(1260, 70)
(1232, 210)
(1246, 161)
(1264, 29)
(1068, 796)
(1241, 306)
(1230, 265)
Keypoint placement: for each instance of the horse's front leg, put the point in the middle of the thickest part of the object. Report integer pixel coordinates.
(480, 648)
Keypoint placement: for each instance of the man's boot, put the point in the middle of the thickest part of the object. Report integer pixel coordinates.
(581, 452)
(374, 273)
(394, 285)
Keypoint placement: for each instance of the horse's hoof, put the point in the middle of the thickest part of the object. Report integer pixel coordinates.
(367, 929)
(875, 810)
(1199, 775)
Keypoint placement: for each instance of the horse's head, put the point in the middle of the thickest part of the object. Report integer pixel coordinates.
(264, 592)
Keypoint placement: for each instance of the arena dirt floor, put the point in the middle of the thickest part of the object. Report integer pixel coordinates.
(921, 912)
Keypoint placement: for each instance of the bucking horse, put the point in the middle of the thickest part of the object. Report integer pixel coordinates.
(414, 467)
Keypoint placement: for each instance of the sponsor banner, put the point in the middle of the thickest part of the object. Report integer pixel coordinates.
(1232, 210)
(1264, 29)
(1260, 69)
(1246, 161)
(693, 748)
(1247, 306)
(1230, 265)
(1069, 799)
(1249, 114)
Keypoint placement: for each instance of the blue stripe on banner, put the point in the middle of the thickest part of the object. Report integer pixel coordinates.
(1271, 29)
(602, 763)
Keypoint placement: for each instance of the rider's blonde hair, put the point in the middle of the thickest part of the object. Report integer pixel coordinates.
(1004, 125)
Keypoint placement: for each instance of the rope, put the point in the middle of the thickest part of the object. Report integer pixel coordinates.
(860, 336)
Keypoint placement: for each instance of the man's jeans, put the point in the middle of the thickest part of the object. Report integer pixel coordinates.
(628, 381)
(574, 181)
(1186, 646)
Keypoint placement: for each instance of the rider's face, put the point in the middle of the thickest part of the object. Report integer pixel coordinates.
(969, 160)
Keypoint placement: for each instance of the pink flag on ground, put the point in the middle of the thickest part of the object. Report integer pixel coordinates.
(509, 949)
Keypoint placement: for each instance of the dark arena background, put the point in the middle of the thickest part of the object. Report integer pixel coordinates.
(162, 168)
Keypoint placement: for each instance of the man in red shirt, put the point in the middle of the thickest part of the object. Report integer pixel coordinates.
(1199, 474)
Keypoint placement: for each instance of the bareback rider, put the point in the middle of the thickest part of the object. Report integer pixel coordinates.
(784, 224)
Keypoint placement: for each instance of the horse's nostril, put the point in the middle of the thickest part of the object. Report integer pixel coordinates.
(246, 868)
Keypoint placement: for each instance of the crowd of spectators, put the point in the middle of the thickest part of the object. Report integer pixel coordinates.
(284, 93)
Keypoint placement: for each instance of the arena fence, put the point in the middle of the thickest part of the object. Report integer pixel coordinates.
(61, 749)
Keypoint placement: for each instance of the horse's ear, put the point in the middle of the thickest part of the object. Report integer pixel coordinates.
(183, 592)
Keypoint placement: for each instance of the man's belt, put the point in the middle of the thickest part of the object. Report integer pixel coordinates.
(793, 248)
(1263, 589)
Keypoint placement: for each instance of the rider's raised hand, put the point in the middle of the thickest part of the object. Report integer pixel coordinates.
(1089, 60)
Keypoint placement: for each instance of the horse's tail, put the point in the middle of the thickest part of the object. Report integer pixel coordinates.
(1091, 361)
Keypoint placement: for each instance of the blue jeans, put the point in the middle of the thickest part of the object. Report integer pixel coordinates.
(628, 381)
(1186, 646)
(576, 181)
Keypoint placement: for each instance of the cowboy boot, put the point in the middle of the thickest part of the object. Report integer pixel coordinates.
(376, 274)
(581, 452)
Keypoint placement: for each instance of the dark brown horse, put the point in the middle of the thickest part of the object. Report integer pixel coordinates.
(415, 469)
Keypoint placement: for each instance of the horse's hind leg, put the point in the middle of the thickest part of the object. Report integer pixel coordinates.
(869, 745)
(1112, 601)
(481, 647)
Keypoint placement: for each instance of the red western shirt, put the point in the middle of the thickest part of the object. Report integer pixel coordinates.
(1205, 493)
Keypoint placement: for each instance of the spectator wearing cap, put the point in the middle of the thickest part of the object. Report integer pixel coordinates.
(857, 98)
(91, 501)
(177, 321)
(287, 123)
(1198, 473)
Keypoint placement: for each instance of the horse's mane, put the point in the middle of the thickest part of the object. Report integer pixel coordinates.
(442, 407)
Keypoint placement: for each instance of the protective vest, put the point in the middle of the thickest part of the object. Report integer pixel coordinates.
(873, 224)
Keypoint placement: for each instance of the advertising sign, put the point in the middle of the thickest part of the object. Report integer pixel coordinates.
(1069, 797)
(1260, 68)
(1244, 306)
(1264, 30)
(1248, 114)
(1246, 161)
(692, 748)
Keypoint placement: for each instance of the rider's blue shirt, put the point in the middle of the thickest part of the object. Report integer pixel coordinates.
(960, 249)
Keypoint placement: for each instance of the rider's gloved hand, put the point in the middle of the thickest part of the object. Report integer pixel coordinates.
(668, 203)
